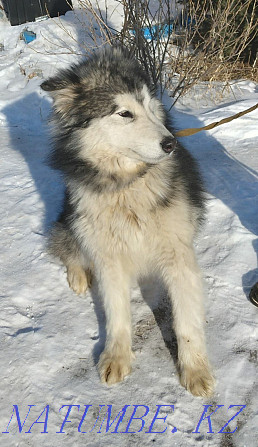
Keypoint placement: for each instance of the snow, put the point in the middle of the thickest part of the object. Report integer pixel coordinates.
(51, 338)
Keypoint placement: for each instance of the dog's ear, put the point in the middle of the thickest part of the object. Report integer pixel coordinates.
(64, 78)
(53, 84)
(62, 88)
(50, 85)
(63, 94)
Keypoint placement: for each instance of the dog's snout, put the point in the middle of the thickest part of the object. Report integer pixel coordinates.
(168, 144)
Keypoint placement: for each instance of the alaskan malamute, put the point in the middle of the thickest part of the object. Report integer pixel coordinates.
(134, 201)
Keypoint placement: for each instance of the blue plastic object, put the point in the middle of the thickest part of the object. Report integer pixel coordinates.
(161, 30)
(27, 36)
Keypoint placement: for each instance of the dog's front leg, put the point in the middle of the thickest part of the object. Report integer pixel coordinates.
(115, 361)
(184, 282)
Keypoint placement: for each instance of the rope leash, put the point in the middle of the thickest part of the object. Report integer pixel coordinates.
(193, 130)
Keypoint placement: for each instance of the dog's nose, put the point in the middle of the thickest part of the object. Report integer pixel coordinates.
(168, 144)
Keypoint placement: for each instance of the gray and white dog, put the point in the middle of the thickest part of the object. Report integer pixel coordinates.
(134, 201)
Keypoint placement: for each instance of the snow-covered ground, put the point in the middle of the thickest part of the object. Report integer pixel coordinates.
(51, 338)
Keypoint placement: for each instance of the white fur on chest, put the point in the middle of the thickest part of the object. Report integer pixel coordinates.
(126, 223)
(120, 219)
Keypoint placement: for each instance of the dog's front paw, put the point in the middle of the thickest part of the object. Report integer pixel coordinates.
(114, 367)
(198, 378)
(78, 279)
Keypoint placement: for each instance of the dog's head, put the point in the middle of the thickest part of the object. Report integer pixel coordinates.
(109, 103)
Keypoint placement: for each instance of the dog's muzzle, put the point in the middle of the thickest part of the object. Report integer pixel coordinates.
(168, 144)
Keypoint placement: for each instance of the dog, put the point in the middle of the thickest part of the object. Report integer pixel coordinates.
(133, 204)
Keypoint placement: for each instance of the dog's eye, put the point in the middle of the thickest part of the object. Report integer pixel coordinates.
(125, 114)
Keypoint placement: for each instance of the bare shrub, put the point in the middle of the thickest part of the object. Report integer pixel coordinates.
(216, 54)
(169, 41)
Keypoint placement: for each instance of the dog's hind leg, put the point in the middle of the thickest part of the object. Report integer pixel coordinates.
(63, 245)
(115, 361)
(183, 279)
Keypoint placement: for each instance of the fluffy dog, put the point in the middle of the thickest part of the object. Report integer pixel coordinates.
(134, 201)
